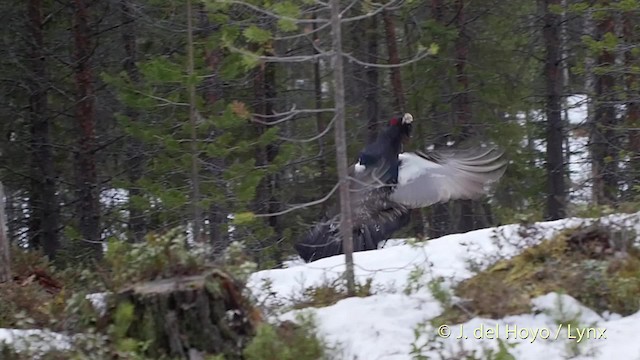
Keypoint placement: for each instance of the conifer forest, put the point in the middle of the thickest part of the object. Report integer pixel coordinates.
(122, 118)
(144, 141)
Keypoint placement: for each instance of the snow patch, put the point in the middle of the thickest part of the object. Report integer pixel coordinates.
(382, 326)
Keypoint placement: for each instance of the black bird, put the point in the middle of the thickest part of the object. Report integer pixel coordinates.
(387, 183)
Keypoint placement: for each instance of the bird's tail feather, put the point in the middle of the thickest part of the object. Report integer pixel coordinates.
(324, 239)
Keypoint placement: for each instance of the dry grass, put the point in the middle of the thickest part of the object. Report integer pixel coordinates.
(596, 265)
(329, 293)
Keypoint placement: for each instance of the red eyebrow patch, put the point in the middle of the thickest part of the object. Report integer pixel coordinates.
(393, 122)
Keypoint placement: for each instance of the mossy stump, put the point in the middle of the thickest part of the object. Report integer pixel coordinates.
(188, 317)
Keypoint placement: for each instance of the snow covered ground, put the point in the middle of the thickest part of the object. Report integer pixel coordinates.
(382, 326)
(36, 341)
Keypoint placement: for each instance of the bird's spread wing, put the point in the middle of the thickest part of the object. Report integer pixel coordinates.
(369, 192)
(427, 178)
(375, 218)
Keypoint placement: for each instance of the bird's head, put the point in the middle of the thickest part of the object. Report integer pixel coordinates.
(404, 122)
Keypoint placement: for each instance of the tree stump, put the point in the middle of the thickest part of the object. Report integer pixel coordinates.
(183, 316)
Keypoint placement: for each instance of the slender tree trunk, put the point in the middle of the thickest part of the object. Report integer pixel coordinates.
(13, 214)
(440, 219)
(555, 130)
(87, 175)
(44, 220)
(5, 258)
(325, 184)
(632, 116)
(195, 153)
(394, 58)
(590, 85)
(603, 129)
(566, 88)
(371, 80)
(463, 102)
(399, 102)
(134, 148)
(346, 223)
(273, 180)
(217, 212)
(266, 202)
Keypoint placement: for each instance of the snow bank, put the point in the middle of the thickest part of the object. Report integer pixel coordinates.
(382, 326)
(34, 341)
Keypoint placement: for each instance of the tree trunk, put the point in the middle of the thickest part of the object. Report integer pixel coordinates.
(399, 102)
(394, 58)
(463, 103)
(44, 210)
(266, 202)
(195, 152)
(135, 149)
(184, 316)
(346, 223)
(325, 184)
(87, 176)
(440, 217)
(603, 129)
(371, 81)
(273, 180)
(632, 115)
(217, 212)
(555, 131)
(5, 258)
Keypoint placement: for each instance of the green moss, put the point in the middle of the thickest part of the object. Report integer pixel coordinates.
(330, 293)
(288, 342)
(591, 264)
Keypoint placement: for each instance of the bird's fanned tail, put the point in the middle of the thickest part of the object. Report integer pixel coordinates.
(324, 239)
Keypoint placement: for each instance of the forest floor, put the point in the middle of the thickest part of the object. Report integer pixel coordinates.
(556, 290)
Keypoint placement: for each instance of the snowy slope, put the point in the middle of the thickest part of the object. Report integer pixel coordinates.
(382, 326)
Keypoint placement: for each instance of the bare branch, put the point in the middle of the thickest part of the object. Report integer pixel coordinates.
(287, 115)
(302, 206)
(281, 59)
(274, 15)
(166, 101)
(372, 13)
(304, 34)
(344, 11)
(323, 133)
(417, 58)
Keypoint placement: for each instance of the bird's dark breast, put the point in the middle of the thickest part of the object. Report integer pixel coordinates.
(373, 222)
(378, 218)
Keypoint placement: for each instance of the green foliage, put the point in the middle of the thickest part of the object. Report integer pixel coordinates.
(237, 263)
(627, 5)
(299, 343)
(244, 218)
(160, 256)
(256, 35)
(161, 71)
(122, 319)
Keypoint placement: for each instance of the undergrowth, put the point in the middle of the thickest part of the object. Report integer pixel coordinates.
(288, 341)
(329, 293)
(56, 300)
